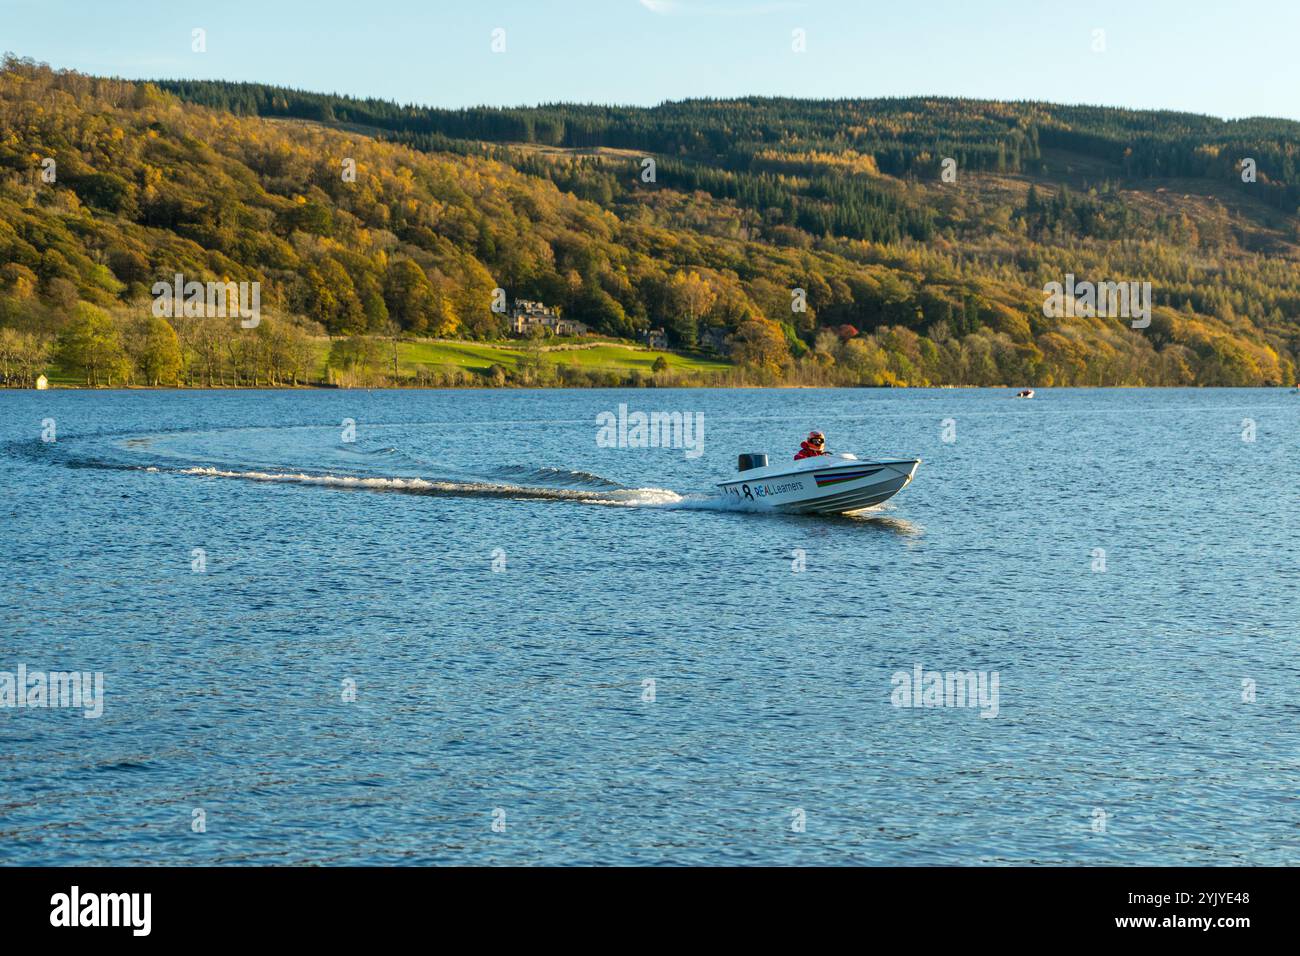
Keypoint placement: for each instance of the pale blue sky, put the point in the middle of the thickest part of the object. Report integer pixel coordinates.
(1224, 58)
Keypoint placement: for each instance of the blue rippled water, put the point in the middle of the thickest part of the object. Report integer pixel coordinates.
(501, 591)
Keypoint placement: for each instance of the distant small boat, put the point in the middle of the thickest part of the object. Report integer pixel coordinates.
(1025, 393)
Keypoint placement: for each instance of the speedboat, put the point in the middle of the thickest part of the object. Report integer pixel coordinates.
(1025, 393)
(823, 484)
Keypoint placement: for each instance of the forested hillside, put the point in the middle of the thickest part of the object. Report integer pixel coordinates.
(753, 205)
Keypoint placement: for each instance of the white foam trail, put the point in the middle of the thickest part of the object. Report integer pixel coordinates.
(634, 497)
(629, 497)
(342, 481)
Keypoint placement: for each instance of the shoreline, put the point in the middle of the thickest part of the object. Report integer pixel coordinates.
(325, 387)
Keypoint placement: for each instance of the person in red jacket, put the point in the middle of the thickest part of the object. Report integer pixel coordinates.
(812, 446)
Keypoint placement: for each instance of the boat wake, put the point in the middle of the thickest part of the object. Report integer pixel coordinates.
(158, 453)
(555, 476)
(611, 494)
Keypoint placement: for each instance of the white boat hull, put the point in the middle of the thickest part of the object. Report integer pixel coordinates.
(837, 487)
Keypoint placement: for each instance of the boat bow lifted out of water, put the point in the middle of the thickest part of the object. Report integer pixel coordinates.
(825, 484)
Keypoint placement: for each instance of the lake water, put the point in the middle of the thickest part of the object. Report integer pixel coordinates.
(474, 635)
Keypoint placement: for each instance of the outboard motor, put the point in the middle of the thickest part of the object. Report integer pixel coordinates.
(753, 460)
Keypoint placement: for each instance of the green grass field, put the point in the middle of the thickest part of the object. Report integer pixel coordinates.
(476, 357)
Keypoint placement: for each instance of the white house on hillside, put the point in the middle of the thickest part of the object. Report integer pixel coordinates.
(654, 338)
(527, 316)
